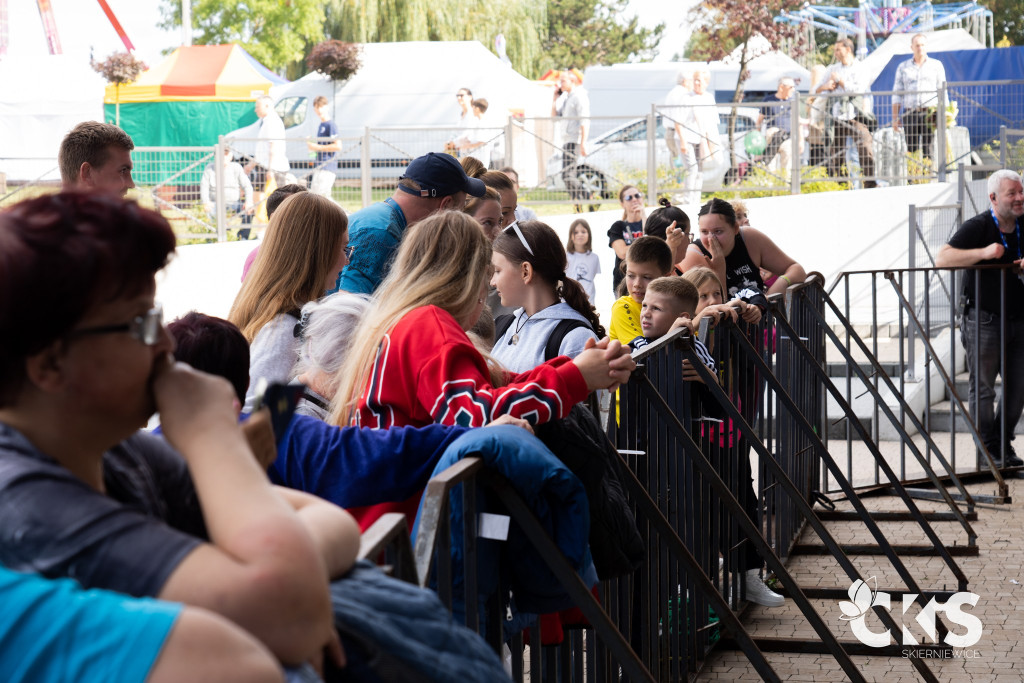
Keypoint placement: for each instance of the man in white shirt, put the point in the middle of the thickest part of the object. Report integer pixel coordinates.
(845, 77)
(917, 84)
(572, 102)
(270, 156)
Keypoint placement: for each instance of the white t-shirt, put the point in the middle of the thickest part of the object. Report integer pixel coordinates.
(584, 268)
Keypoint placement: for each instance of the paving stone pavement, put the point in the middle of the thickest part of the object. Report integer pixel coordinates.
(996, 575)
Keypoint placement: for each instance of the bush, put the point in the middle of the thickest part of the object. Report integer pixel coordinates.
(335, 59)
(119, 68)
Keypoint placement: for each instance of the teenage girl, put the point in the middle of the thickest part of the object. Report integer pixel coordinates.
(304, 250)
(583, 262)
(529, 274)
(411, 363)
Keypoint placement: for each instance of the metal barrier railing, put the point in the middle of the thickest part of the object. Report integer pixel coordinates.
(917, 391)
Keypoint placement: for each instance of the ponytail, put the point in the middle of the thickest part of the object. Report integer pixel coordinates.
(572, 292)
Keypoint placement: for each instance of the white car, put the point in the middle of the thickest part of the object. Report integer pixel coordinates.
(619, 157)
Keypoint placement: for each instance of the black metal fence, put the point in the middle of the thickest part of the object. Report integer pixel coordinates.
(724, 475)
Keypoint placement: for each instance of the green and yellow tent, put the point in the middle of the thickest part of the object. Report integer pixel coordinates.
(196, 94)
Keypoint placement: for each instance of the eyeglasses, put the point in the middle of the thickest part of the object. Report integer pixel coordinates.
(631, 197)
(349, 251)
(522, 238)
(145, 328)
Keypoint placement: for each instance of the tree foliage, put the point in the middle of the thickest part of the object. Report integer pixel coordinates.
(581, 33)
(733, 24)
(274, 32)
(1008, 19)
(119, 68)
(335, 59)
(522, 22)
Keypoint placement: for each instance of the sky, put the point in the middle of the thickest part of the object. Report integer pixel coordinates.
(82, 25)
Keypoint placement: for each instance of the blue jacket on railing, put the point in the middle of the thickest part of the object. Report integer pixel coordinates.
(556, 497)
(353, 467)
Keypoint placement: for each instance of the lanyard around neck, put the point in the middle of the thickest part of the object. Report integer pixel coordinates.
(1001, 237)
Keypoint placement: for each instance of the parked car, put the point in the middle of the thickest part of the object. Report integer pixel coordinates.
(619, 156)
(390, 150)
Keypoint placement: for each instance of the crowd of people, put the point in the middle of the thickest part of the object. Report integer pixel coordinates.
(411, 323)
(385, 316)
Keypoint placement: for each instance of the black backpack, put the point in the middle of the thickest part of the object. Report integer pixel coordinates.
(579, 442)
(564, 327)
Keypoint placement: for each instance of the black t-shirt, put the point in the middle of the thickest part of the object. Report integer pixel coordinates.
(621, 230)
(130, 540)
(979, 232)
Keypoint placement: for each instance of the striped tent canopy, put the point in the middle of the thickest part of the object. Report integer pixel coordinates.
(219, 73)
(197, 94)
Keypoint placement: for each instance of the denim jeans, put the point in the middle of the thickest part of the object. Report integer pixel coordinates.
(985, 342)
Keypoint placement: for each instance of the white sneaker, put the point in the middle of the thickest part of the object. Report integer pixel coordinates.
(759, 593)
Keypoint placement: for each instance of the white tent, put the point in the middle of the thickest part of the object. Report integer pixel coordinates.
(41, 102)
(410, 84)
(899, 44)
(628, 90)
(414, 84)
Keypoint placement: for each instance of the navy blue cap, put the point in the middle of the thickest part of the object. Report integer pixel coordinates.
(440, 175)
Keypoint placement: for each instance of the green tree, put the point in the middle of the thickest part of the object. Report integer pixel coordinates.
(586, 32)
(1008, 20)
(522, 22)
(734, 24)
(274, 32)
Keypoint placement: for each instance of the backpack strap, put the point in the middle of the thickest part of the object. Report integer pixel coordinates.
(563, 328)
(501, 325)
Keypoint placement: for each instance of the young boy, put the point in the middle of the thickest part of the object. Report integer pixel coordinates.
(647, 259)
(668, 303)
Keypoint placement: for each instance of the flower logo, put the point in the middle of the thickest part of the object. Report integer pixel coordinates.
(863, 597)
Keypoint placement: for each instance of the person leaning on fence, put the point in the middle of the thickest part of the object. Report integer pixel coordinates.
(916, 94)
(849, 117)
(96, 156)
(431, 183)
(993, 237)
(327, 146)
(236, 185)
(85, 362)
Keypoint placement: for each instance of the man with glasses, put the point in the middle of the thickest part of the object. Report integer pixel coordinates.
(84, 362)
(917, 94)
(993, 313)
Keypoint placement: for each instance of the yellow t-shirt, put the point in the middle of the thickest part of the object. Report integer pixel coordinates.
(625, 323)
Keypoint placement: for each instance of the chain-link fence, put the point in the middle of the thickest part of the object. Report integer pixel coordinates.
(809, 143)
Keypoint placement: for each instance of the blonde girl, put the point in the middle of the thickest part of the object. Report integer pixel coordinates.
(412, 362)
(305, 247)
